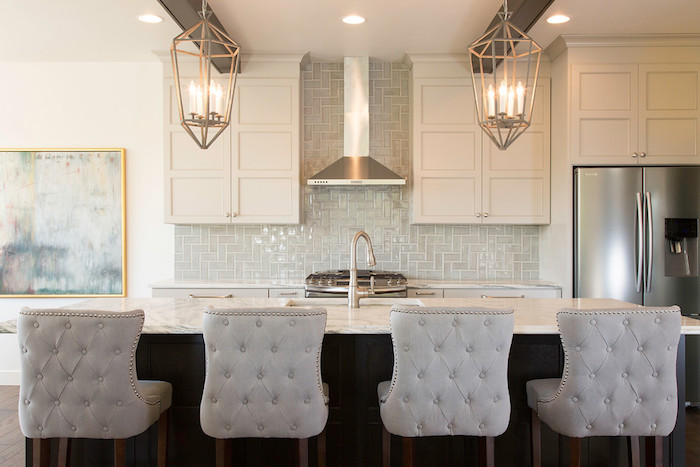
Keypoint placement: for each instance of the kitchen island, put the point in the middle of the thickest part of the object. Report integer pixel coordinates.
(357, 355)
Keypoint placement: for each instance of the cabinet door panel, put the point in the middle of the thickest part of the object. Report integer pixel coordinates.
(264, 102)
(265, 199)
(263, 150)
(449, 150)
(449, 200)
(669, 114)
(604, 120)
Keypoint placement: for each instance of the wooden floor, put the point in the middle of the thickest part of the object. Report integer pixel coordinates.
(12, 441)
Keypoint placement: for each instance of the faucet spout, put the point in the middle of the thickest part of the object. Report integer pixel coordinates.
(355, 292)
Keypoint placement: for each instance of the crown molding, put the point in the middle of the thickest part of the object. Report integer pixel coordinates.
(622, 40)
(410, 58)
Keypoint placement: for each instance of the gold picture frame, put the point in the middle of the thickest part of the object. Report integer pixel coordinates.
(63, 222)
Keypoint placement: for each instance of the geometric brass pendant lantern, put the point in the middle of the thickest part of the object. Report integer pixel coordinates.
(505, 65)
(206, 112)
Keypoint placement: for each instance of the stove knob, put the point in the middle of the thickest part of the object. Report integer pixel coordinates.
(389, 281)
(329, 282)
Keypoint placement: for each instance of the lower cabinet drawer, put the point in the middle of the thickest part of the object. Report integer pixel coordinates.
(500, 293)
(209, 293)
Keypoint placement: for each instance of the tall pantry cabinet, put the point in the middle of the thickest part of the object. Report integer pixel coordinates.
(250, 174)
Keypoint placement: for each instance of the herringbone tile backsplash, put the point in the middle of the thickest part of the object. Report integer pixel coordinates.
(332, 215)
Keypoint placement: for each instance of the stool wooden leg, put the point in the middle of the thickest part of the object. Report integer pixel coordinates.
(63, 452)
(386, 447)
(119, 452)
(301, 446)
(486, 451)
(409, 451)
(575, 452)
(224, 452)
(633, 447)
(163, 438)
(321, 448)
(654, 450)
(41, 452)
(536, 439)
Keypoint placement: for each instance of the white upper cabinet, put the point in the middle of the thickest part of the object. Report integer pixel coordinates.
(250, 174)
(635, 114)
(460, 176)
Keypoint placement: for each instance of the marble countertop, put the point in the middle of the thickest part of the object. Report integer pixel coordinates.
(184, 316)
(299, 284)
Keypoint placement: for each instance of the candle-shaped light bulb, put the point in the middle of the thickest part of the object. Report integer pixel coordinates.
(520, 91)
(200, 101)
(491, 99)
(212, 98)
(219, 99)
(511, 100)
(193, 98)
(502, 97)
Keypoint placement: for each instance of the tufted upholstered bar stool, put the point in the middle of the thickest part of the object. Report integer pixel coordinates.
(263, 378)
(450, 377)
(78, 380)
(619, 379)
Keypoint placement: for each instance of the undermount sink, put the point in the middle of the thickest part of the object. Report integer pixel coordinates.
(343, 301)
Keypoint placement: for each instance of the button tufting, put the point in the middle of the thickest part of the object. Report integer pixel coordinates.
(26, 401)
(419, 426)
(624, 375)
(39, 376)
(657, 320)
(274, 401)
(213, 400)
(100, 379)
(40, 428)
(449, 426)
(117, 351)
(435, 401)
(496, 399)
(227, 427)
(274, 349)
(653, 426)
(258, 323)
(469, 349)
(292, 323)
(486, 322)
(405, 348)
(655, 374)
(592, 375)
(101, 326)
(575, 399)
(227, 375)
(467, 401)
(119, 403)
(105, 429)
(640, 348)
(24, 349)
(73, 428)
(293, 428)
(577, 348)
(55, 351)
(621, 425)
(498, 348)
(481, 375)
(244, 402)
(639, 400)
(225, 322)
(670, 347)
(668, 398)
(36, 325)
(436, 349)
(607, 401)
(242, 349)
(481, 425)
(626, 322)
(608, 349)
(593, 322)
(86, 403)
(259, 375)
(307, 350)
(68, 326)
(84, 351)
(454, 322)
(588, 427)
(290, 375)
(452, 376)
(420, 375)
(213, 348)
(405, 399)
(57, 403)
(421, 323)
(307, 400)
(70, 378)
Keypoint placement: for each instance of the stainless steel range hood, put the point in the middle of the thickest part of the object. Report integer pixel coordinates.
(356, 167)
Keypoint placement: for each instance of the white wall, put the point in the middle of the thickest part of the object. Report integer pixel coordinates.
(94, 105)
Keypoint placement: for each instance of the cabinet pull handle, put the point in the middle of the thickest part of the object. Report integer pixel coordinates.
(642, 154)
(501, 296)
(209, 296)
(286, 293)
(634, 154)
(425, 293)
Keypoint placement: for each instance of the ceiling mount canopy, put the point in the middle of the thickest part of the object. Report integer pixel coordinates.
(505, 65)
(207, 110)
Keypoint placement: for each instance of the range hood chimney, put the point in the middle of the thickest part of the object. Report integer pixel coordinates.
(356, 167)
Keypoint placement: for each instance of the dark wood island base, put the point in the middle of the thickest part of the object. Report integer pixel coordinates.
(353, 365)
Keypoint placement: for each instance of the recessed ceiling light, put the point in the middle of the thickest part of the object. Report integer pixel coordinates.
(150, 19)
(353, 19)
(558, 19)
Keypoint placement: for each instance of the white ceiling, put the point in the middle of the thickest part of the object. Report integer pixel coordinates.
(82, 30)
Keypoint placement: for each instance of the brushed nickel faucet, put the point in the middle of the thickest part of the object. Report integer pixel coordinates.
(355, 292)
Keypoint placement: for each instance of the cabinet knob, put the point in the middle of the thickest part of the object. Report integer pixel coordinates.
(234, 214)
(478, 214)
(228, 214)
(634, 154)
(486, 214)
(642, 154)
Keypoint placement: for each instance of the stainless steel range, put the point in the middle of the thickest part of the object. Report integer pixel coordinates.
(335, 283)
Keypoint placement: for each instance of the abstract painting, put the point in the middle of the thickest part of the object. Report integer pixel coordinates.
(62, 220)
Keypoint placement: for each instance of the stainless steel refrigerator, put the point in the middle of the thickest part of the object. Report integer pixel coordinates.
(636, 239)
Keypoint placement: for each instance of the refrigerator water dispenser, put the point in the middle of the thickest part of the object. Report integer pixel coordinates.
(681, 253)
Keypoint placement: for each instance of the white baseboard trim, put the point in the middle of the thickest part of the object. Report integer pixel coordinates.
(9, 378)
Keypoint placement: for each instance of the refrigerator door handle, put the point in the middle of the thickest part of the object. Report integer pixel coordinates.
(649, 242)
(640, 241)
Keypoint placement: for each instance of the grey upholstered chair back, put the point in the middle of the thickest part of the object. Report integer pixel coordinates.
(620, 374)
(263, 375)
(450, 372)
(78, 376)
